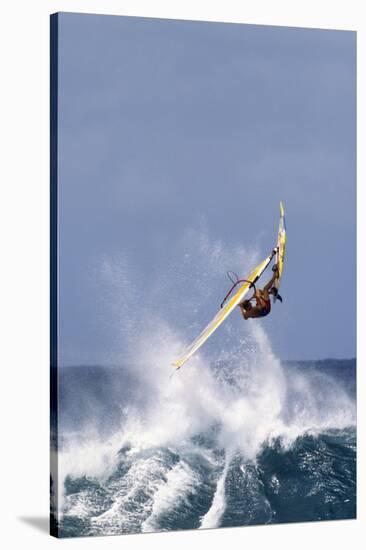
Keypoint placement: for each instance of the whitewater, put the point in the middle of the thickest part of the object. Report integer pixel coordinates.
(236, 437)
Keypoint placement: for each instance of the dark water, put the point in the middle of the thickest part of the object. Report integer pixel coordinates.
(203, 482)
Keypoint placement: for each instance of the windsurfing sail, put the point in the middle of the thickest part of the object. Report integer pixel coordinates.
(240, 294)
(224, 312)
(281, 248)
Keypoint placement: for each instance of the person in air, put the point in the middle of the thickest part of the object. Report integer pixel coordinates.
(262, 305)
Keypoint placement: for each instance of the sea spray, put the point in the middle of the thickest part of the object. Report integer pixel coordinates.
(163, 456)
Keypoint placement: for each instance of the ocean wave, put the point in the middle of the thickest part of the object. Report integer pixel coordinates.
(235, 437)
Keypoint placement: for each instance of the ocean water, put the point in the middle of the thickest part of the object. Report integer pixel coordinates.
(231, 444)
(236, 437)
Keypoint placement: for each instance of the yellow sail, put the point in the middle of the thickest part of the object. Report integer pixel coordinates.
(281, 246)
(238, 297)
(223, 313)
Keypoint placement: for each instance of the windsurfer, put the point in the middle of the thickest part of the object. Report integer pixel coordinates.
(262, 305)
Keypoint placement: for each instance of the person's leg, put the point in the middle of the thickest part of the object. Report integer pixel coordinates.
(245, 308)
(243, 312)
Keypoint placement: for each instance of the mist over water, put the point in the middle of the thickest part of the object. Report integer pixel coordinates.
(142, 451)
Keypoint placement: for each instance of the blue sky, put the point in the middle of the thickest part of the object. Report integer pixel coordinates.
(170, 125)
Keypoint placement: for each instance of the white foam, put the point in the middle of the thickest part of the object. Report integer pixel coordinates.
(132, 496)
(181, 481)
(263, 403)
(212, 518)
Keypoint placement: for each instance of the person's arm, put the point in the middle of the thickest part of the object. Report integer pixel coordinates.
(270, 283)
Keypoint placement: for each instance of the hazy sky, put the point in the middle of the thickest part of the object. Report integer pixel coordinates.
(167, 127)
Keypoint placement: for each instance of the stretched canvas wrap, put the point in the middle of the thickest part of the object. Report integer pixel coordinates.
(202, 275)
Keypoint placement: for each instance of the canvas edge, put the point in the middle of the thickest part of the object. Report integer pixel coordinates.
(54, 482)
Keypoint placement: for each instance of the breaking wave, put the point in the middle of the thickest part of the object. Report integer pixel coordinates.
(217, 443)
